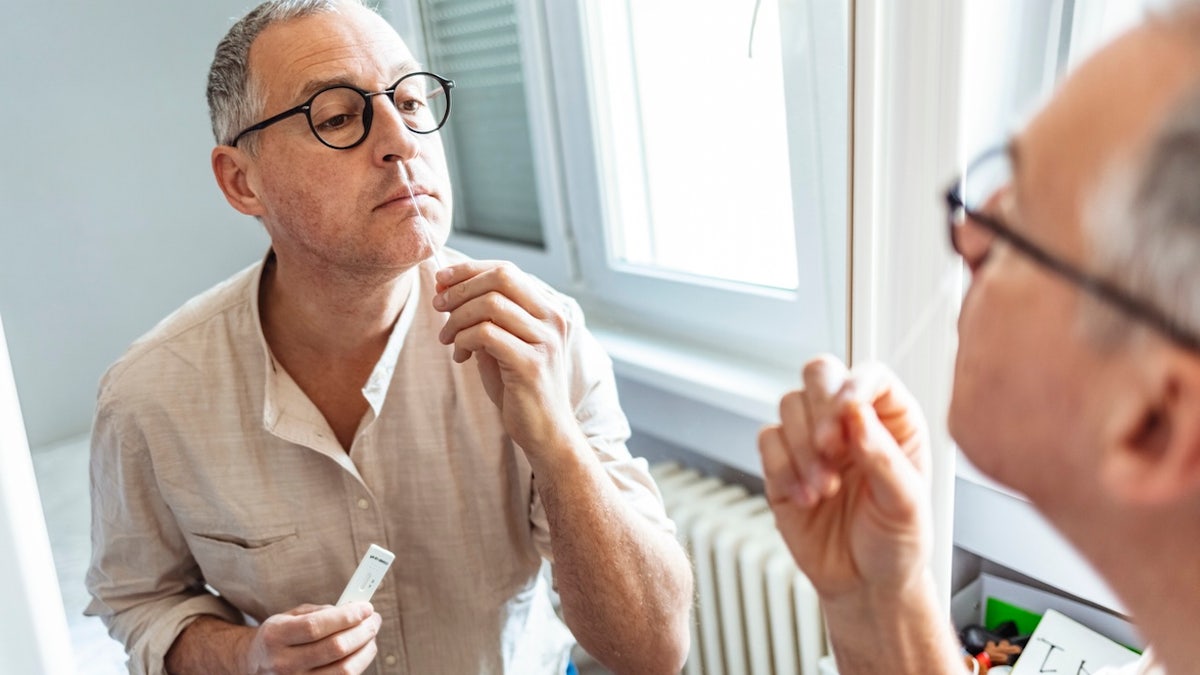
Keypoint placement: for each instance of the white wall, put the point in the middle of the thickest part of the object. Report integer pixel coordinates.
(109, 215)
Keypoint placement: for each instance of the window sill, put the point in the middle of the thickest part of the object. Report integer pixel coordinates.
(701, 399)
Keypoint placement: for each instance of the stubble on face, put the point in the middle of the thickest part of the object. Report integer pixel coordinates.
(331, 210)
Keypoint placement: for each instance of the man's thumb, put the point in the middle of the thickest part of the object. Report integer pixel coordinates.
(894, 482)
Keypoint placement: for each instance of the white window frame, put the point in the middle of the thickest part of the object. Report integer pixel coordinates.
(904, 283)
(765, 325)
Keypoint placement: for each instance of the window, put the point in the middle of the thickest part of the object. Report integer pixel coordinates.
(478, 45)
(501, 141)
(717, 145)
(677, 166)
(688, 108)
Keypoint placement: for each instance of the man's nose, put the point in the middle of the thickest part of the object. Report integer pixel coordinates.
(391, 140)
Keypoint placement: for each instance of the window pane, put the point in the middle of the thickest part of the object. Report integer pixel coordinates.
(697, 156)
(477, 44)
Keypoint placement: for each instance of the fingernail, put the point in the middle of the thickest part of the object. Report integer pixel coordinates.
(443, 275)
(439, 301)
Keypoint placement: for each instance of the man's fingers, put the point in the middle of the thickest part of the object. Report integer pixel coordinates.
(461, 283)
(897, 409)
(453, 274)
(305, 609)
(824, 377)
(309, 623)
(341, 645)
(495, 341)
(498, 309)
(894, 482)
(357, 662)
(795, 413)
(782, 481)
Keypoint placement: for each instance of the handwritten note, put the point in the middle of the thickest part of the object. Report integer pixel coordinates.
(1060, 645)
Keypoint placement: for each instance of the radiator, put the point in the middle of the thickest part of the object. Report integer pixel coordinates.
(756, 613)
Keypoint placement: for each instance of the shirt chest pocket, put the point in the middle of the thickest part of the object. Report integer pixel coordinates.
(259, 568)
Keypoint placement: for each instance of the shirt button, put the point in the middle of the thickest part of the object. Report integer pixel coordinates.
(390, 659)
(363, 504)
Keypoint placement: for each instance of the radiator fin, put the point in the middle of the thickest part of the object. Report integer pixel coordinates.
(756, 614)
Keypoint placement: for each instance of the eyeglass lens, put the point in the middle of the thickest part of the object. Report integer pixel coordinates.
(338, 115)
(984, 179)
(982, 182)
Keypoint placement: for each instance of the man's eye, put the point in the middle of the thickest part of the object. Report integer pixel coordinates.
(335, 122)
(410, 106)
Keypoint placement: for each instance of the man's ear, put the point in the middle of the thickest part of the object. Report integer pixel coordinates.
(234, 171)
(1154, 456)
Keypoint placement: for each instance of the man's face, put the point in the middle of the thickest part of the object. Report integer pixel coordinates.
(1032, 394)
(345, 212)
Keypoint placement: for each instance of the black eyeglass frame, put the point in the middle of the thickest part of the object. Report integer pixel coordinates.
(368, 111)
(1103, 289)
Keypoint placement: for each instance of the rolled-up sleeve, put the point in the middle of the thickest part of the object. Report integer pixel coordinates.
(144, 582)
(598, 412)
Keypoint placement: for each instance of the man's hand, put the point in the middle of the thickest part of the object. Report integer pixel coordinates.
(315, 639)
(307, 639)
(845, 476)
(517, 331)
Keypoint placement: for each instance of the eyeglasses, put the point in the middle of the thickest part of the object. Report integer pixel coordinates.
(973, 232)
(340, 116)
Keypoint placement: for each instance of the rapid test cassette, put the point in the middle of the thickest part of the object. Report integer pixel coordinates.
(368, 575)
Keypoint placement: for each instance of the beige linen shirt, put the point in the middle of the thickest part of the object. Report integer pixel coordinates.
(211, 471)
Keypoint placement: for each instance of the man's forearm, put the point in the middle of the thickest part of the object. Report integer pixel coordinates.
(625, 585)
(893, 631)
(209, 645)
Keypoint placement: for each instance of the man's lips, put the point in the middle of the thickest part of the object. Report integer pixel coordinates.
(402, 197)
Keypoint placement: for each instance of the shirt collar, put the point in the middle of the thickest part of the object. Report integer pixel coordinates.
(376, 388)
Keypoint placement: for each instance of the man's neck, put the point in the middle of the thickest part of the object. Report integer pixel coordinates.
(328, 332)
(329, 315)
(1152, 562)
(1162, 590)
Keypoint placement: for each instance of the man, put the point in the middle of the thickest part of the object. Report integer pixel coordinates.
(248, 450)
(1077, 378)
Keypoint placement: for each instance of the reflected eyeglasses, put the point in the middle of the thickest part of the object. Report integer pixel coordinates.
(340, 116)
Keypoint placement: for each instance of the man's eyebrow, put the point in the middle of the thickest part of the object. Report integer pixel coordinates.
(313, 86)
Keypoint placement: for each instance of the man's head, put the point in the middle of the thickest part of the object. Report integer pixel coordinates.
(1056, 392)
(343, 212)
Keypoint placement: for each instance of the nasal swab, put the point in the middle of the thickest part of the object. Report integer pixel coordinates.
(427, 226)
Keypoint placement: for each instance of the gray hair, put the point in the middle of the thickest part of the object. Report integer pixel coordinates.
(1144, 227)
(235, 98)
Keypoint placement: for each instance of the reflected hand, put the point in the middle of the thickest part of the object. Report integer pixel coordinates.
(517, 331)
(845, 474)
(315, 639)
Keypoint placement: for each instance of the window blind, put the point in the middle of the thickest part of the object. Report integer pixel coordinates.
(477, 44)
